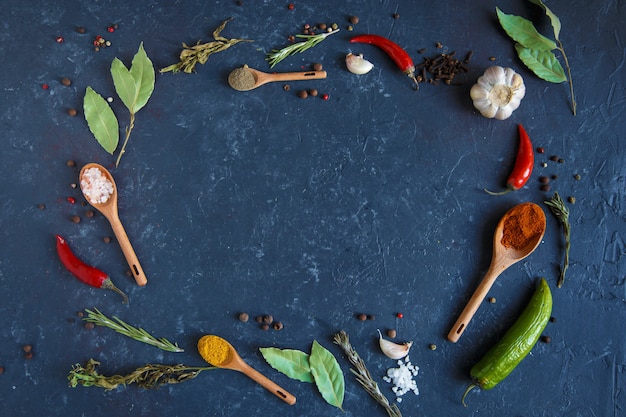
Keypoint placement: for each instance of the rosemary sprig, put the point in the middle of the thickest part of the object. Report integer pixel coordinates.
(148, 376)
(199, 53)
(363, 376)
(278, 55)
(558, 208)
(126, 329)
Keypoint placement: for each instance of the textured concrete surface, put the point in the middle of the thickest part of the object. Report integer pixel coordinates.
(310, 210)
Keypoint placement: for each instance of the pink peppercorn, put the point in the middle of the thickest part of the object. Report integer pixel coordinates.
(111, 29)
(291, 6)
(71, 200)
(325, 96)
(45, 86)
(399, 315)
(60, 39)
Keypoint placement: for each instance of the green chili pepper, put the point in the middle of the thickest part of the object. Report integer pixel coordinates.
(516, 343)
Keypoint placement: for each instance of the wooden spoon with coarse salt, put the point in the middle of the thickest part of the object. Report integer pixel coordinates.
(109, 209)
(530, 219)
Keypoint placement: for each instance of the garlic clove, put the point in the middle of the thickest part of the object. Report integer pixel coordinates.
(393, 350)
(356, 64)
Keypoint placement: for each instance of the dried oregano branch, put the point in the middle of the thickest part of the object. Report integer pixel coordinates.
(148, 376)
(363, 375)
(199, 53)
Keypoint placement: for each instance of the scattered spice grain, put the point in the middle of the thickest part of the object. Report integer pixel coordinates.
(265, 327)
(70, 163)
(492, 300)
(268, 319)
(80, 29)
(371, 317)
(66, 81)
(313, 92)
(303, 94)
(546, 339)
(571, 199)
(89, 326)
(277, 325)
(27, 348)
(354, 19)
(362, 317)
(1, 370)
(75, 219)
(432, 346)
(243, 317)
(106, 239)
(72, 112)
(392, 333)
(286, 87)
(41, 206)
(544, 179)
(318, 67)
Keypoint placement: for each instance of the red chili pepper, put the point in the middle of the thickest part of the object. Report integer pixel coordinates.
(395, 52)
(523, 164)
(87, 274)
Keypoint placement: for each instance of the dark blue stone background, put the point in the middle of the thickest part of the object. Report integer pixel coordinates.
(309, 210)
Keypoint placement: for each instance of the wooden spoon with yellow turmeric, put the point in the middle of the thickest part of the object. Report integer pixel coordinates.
(218, 352)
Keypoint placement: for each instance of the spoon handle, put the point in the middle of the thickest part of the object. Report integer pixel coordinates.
(474, 302)
(297, 76)
(129, 252)
(267, 383)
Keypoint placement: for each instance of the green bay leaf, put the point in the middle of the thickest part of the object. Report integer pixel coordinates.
(142, 71)
(543, 63)
(293, 363)
(327, 375)
(523, 32)
(101, 120)
(554, 19)
(125, 84)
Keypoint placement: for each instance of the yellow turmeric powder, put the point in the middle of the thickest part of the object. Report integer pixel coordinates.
(214, 349)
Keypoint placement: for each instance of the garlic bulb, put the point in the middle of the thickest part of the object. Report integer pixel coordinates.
(393, 350)
(357, 64)
(498, 92)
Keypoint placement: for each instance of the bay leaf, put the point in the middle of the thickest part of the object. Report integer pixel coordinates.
(142, 71)
(327, 375)
(523, 32)
(543, 63)
(125, 84)
(101, 120)
(554, 20)
(291, 362)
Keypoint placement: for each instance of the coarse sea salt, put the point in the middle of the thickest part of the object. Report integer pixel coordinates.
(402, 378)
(96, 186)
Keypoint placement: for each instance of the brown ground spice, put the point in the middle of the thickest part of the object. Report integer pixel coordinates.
(523, 224)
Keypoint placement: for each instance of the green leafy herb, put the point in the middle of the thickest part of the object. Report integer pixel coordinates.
(363, 376)
(535, 50)
(558, 208)
(199, 53)
(320, 367)
(101, 120)
(121, 327)
(327, 375)
(278, 55)
(134, 86)
(148, 376)
(293, 363)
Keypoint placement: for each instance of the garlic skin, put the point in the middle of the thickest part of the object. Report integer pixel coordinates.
(498, 92)
(393, 350)
(357, 64)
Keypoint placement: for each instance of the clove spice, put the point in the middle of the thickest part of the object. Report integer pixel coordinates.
(443, 67)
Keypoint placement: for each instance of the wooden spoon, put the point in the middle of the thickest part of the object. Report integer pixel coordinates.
(235, 363)
(109, 210)
(261, 78)
(502, 258)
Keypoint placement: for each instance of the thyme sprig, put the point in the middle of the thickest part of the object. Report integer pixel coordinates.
(147, 376)
(126, 329)
(363, 376)
(558, 208)
(278, 55)
(199, 53)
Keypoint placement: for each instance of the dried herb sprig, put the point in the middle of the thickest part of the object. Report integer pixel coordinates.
(148, 376)
(199, 53)
(363, 376)
(126, 329)
(278, 55)
(558, 208)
